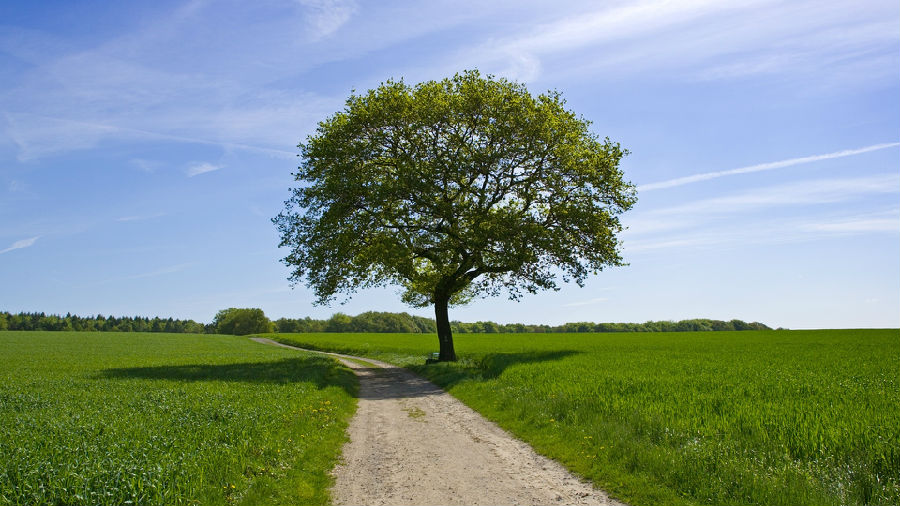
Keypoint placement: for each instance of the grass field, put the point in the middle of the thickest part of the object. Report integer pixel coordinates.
(777, 417)
(115, 418)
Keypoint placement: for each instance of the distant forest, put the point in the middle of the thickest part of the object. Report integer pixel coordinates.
(403, 322)
(371, 321)
(70, 322)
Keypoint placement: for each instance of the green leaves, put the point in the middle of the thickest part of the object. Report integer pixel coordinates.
(466, 186)
(242, 321)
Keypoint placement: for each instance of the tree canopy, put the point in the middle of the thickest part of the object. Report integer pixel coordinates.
(469, 186)
(242, 321)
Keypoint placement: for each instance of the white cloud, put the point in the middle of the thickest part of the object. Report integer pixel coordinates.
(183, 75)
(700, 39)
(762, 167)
(713, 222)
(327, 16)
(202, 168)
(171, 269)
(519, 56)
(693, 240)
(24, 243)
(822, 191)
(617, 23)
(801, 193)
(38, 136)
(589, 302)
(144, 165)
(167, 79)
(140, 217)
(766, 232)
(16, 186)
(883, 222)
(158, 272)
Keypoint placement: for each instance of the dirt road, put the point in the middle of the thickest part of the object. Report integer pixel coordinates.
(413, 443)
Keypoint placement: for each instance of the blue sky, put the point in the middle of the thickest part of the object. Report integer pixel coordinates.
(144, 147)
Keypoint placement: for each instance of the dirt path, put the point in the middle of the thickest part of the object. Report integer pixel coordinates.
(413, 443)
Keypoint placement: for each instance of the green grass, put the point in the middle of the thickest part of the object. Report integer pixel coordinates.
(128, 418)
(777, 417)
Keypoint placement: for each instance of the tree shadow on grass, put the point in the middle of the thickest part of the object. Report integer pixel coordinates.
(321, 371)
(490, 366)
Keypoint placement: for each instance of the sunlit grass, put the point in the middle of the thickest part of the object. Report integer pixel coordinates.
(777, 417)
(127, 418)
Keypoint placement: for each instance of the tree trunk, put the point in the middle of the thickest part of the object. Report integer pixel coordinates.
(445, 335)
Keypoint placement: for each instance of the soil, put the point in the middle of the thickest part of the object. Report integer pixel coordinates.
(413, 443)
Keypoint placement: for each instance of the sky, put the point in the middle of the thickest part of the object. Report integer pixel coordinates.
(145, 147)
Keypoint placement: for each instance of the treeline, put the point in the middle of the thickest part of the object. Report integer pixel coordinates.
(402, 322)
(370, 321)
(238, 321)
(248, 321)
(100, 323)
(695, 325)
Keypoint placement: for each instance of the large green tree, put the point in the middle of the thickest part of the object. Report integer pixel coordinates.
(452, 189)
(242, 321)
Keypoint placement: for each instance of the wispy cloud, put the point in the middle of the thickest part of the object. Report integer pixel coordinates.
(38, 136)
(706, 176)
(771, 232)
(701, 39)
(148, 166)
(171, 269)
(589, 302)
(159, 272)
(16, 186)
(880, 222)
(605, 24)
(519, 56)
(202, 168)
(325, 17)
(808, 192)
(24, 243)
(746, 217)
(168, 78)
(800, 193)
(692, 240)
(140, 217)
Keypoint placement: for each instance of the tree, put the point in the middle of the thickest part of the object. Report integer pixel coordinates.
(285, 325)
(453, 189)
(242, 321)
(339, 322)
